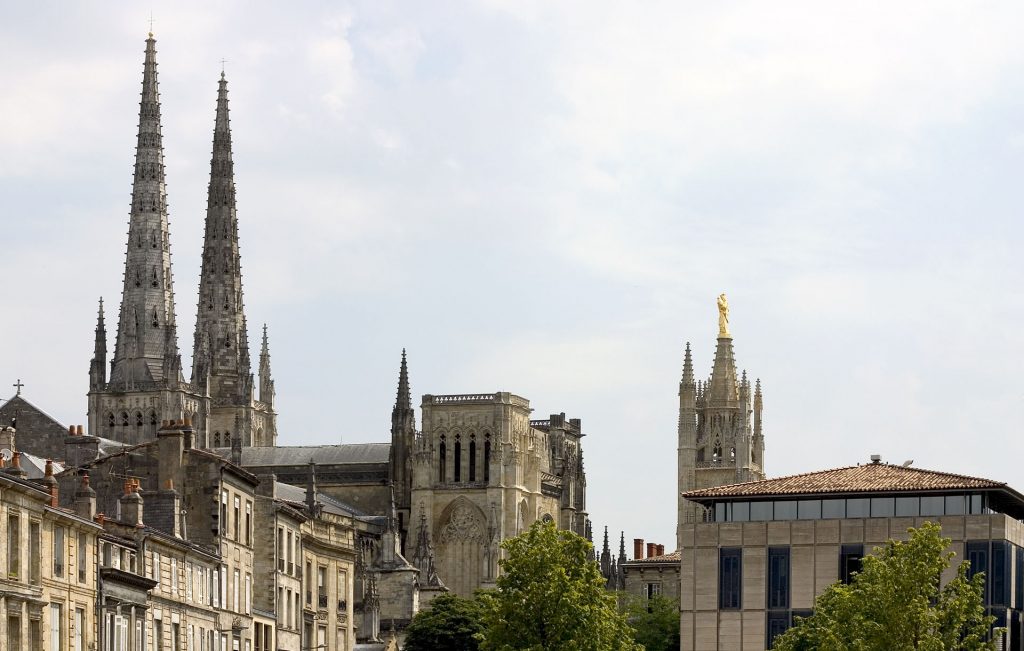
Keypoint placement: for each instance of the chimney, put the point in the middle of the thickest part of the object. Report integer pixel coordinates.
(79, 431)
(638, 549)
(85, 499)
(15, 468)
(171, 441)
(652, 550)
(50, 482)
(188, 433)
(661, 550)
(131, 504)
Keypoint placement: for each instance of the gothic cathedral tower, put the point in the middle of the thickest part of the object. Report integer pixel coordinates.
(145, 384)
(221, 369)
(720, 437)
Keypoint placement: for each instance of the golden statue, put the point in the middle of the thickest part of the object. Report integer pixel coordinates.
(723, 316)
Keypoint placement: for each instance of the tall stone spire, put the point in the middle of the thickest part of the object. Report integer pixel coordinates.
(723, 389)
(220, 338)
(98, 366)
(403, 432)
(146, 338)
(266, 380)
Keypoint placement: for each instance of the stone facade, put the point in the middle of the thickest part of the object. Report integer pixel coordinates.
(482, 472)
(47, 568)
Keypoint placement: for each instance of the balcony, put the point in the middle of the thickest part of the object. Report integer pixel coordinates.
(321, 601)
(342, 606)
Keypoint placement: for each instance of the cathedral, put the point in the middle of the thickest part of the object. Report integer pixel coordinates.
(434, 502)
(720, 437)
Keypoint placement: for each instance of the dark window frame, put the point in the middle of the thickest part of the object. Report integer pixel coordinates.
(730, 578)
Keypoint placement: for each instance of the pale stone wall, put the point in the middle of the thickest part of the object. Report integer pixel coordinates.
(814, 565)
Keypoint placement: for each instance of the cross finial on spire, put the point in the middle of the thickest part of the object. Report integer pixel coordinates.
(151, 24)
(17, 385)
(222, 62)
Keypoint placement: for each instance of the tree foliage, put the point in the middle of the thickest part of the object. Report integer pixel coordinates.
(655, 621)
(550, 597)
(896, 603)
(451, 623)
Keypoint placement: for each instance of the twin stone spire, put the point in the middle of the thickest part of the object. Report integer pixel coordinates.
(221, 397)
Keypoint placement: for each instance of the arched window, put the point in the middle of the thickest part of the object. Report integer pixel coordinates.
(472, 457)
(216, 439)
(124, 418)
(732, 454)
(110, 419)
(487, 457)
(152, 417)
(442, 459)
(227, 439)
(457, 461)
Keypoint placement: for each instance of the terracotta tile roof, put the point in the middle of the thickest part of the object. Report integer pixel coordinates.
(867, 478)
(671, 557)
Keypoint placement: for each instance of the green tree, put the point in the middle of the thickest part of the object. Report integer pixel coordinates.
(550, 597)
(451, 623)
(655, 621)
(896, 603)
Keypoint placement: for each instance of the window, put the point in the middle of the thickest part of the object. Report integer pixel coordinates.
(999, 577)
(778, 623)
(291, 565)
(188, 581)
(342, 591)
(833, 508)
(859, 507)
(248, 594)
(1018, 587)
(472, 457)
(56, 637)
(248, 522)
(908, 506)
(174, 577)
(223, 513)
(309, 583)
(34, 543)
(442, 458)
(730, 578)
(932, 505)
(158, 634)
(778, 577)
(785, 510)
(83, 557)
(321, 586)
(487, 457)
(13, 545)
(175, 636)
(14, 633)
(652, 590)
(158, 570)
(237, 519)
(883, 507)
(215, 587)
(809, 509)
(457, 461)
(58, 551)
(280, 549)
(760, 511)
(850, 561)
(79, 632)
(235, 591)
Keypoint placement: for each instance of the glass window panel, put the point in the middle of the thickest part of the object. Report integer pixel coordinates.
(908, 506)
(785, 510)
(933, 505)
(760, 511)
(741, 511)
(720, 512)
(809, 510)
(882, 507)
(858, 508)
(778, 577)
(850, 561)
(730, 578)
(975, 503)
(955, 505)
(833, 508)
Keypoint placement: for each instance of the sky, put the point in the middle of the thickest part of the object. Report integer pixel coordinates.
(546, 198)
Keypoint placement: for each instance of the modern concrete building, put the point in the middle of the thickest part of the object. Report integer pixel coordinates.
(770, 547)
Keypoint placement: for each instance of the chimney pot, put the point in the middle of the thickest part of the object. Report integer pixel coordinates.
(638, 549)
(71, 430)
(80, 430)
(651, 550)
(661, 550)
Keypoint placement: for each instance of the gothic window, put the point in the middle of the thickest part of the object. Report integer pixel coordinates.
(700, 455)
(155, 283)
(472, 457)
(457, 461)
(156, 322)
(487, 457)
(152, 417)
(732, 454)
(138, 282)
(442, 459)
(227, 439)
(216, 439)
(110, 419)
(124, 418)
(138, 419)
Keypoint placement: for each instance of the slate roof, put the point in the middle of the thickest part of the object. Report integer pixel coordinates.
(297, 495)
(867, 478)
(300, 455)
